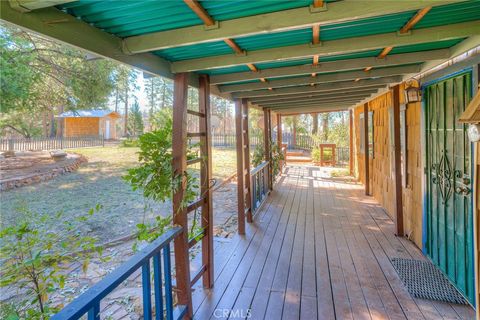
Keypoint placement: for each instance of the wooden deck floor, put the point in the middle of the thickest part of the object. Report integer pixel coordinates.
(318, 249)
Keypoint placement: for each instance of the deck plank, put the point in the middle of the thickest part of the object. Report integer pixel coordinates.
(318, 249)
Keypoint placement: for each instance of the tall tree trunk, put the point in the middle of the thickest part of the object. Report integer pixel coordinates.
(60, 122)
(315, 123)
(164, 91)
(52, 123)
(125, 124)
(116, 98)
(44, 124)
(325, 126)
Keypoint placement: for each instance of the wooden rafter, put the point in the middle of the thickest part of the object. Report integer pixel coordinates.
(316, 34)
(252, 67)
(232, 44)
(200, 12)
(263, 79)
(338, 11)
(407, 27)
(315, 60)
(415, 19)
(333, 66)
(384, 52)
(332, 47)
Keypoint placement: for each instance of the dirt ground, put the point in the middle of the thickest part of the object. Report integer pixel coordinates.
(100, 182)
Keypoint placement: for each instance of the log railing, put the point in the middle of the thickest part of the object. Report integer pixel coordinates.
(259, 185)
(156, 254)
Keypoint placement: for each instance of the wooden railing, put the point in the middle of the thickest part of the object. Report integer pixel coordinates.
(37, 144)
(89, 301)
(259, 185)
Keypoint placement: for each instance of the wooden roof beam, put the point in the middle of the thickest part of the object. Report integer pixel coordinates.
(308, 109)
(284, 20)
(30, 5)
(415, 19)
(333, 47)
(333, 77)
(235, 47)
(332, 66)
(260, 100)
(306, 101)
(200, 12)
(325, 87)
(315, 97)
(406, 28)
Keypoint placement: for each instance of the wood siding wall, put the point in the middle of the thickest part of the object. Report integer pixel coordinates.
(381, 170)
(84, 126)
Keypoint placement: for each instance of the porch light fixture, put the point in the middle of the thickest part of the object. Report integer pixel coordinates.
(412, 93)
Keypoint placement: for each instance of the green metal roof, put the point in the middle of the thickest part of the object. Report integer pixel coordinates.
(363, 54)
(125, 18)
(467, 11)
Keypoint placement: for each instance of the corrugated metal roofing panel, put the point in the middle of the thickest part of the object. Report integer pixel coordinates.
(426, 46)
(452, 13)
(126, 18)
(355, 55)
(233, 69)
(195, 51)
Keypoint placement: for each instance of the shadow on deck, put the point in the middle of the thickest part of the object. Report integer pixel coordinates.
(318, 249)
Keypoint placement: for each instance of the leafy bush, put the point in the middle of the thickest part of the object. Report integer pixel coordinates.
(277, 157)
(156, 178)
(129, 143)
(36, 259)
(316, 155)
(258, 155)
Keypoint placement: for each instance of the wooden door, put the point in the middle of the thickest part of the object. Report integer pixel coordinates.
(449, 219)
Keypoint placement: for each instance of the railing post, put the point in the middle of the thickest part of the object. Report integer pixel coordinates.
(179, 148)
(240, 166)
(246, 154)
(206, 177)
(268, 155)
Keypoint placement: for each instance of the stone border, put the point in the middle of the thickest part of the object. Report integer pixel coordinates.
(70, 166)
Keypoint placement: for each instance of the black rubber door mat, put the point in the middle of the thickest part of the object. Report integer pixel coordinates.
(425, 281)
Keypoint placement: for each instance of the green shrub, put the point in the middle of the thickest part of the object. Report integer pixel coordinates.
(129, 143)
(156, 178)
(258, 155)
(36, 259)
(316, 155)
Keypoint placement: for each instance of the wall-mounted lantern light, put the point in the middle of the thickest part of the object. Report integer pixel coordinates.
(412, 92)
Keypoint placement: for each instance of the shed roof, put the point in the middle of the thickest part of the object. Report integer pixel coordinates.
(258, 48)
(100, 113)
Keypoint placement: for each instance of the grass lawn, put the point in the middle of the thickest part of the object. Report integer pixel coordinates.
(100, 182)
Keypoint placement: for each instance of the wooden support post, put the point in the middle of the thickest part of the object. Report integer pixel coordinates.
(240, 166)
(206, 178)
(366, 149)
(179, 148)
(279, 130)
(246, 154)
(266, 139)
(350, 114)
(397, 162)
(294, 137)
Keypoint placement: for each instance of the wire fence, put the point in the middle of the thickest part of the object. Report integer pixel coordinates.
(38, 144)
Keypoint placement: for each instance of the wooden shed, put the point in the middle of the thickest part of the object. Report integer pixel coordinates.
(89, 123)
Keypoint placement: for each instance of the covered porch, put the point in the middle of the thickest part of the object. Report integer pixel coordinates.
(308, 246)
